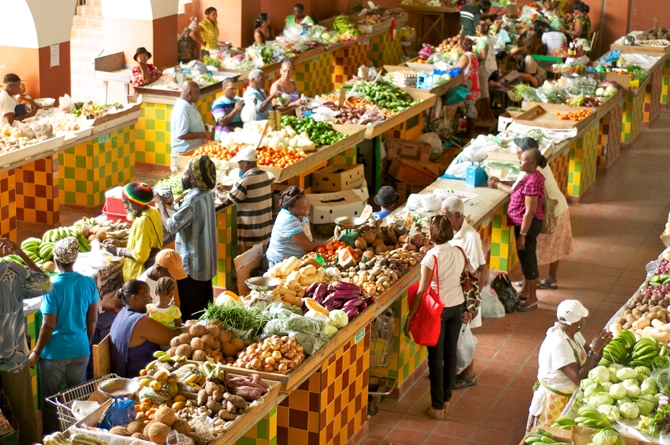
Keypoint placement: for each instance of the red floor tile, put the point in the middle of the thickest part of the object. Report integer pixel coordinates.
(400, 436)
(454, 429)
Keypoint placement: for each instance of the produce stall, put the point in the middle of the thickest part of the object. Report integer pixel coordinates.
(433, 23)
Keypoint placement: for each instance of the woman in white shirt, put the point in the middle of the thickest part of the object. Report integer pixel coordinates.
(564, 360)
(442, 357)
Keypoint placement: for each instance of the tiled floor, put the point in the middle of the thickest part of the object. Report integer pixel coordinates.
(616, 232)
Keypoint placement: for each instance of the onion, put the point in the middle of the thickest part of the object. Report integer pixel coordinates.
(266, 354)
(276, 355)
(270, 361)
(256, 364)
(285, 338)
(282, 367)
(289, 354)
(290, 364)
(268, 368)
(283, 349)
(275, 347)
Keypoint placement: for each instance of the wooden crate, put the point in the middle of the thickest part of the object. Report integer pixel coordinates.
(544, 115)
(407, 171)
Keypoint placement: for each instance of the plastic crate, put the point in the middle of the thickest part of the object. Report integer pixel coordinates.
(115, 215)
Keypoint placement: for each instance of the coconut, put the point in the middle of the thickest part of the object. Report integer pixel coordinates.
(208, 339)
(228, 349)
(120, 431)
(226, 336)
(213, 330)
(175, 342)
(185, 339)
(184, 351)
(197, 330)
(199, 355)
(165, 415)
(172, 351)
(181, 426)
(197, 343)
(158, 432)
(238, 343)
(140, 436)
(136, 426)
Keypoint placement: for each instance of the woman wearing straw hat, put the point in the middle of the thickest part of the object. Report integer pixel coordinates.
(144, 73)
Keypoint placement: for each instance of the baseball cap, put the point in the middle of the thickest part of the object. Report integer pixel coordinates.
(246, 154)
(172, 261)
(571, 311)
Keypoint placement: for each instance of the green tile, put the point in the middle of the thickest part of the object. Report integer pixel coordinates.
(503, 264)
(570, 178)
(150, 124)
(505, 237)
(80, 161)
(160, 136)
(495, 250)
(70, 172)
(70, 197)
(262, 429)
(578, 167)
(150, 146)
(160, 114)
(80, 186)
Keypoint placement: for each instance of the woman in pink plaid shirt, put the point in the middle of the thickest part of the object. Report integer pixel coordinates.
(525, 214)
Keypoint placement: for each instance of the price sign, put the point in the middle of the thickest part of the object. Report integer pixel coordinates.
(360, 335)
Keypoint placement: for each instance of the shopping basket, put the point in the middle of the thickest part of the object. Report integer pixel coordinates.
(381, 347)
(63, 400)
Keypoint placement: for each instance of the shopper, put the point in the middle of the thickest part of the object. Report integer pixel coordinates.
(255, 91)
(469, 65)
(144, 73)
(386, 199)
(565, 359)
(580, 27)
(550, 247)
(298, 17)
(263, 29)
(291, 233)
(549, 10)
(253, 195)
(165, 311)
(16, 284)
(286, 85)
(168, 264)
(525, 213)
(187, 131)
(487, 66)
(529, 71)
(226, 109)
(10, 108)
(206, 34)
(134, 336)
(145, 238)
(469, 240)
(195, 226)
(70, 314)
(554, 40)
(469, 16)
(442, 356)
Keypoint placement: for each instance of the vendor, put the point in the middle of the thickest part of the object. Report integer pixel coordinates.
(385, 198)
(486, 59)
(187, 130)
(554, 40)
(580, 27)
(286, 85)
(565, 359)
(256, 92)
(253, 195)
(10, 108)
(469, 66)
(144, 73)
(168, 265)
(227, 108)
(291, 233)
(206, 34)
(262, 29)
(298, 17)
(530, 72)
(549, 10)
(23, 98)
(469, 16)
(134, 336)
(145, 238)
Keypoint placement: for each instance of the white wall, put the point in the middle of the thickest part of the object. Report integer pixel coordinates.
(35, 23)
(139, 9)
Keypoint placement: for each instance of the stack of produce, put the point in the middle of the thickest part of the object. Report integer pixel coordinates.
(385, 95)
(92, 110)
(381, 14)
(357, 111)
(541, 436)
(274, 354)
(22, 136)
(345, 28)
(320, 133)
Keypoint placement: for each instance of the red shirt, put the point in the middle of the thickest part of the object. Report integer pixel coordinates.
(530, 185)
(137, 74)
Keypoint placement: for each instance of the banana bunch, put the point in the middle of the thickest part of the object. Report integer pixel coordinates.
(162, 356)
(578, 101)
(56, 439)
(13, 259)
(564, 423)
(644, 352)
(617, 350)
(540, 436)
(343, 25)
(591, 418)
(31, 247)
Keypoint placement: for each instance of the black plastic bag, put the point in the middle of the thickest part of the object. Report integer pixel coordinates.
(506, 292)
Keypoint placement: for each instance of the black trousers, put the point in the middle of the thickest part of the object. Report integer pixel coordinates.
(442, 356)
(527, 256)
(194, 297)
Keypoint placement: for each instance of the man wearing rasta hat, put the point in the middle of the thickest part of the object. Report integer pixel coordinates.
(195, 226)
(145, 238)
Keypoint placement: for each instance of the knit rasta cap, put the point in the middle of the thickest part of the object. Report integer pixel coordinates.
(138, 193)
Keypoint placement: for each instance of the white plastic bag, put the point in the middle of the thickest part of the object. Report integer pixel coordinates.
(491, 306)
(435, 142)
(66, 103)
(465, 350)
(248, 113)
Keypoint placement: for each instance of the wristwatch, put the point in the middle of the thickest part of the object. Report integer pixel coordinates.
(592, 355)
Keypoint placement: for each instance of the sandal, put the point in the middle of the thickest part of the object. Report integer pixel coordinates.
(527, 308)
(464, 382)
(437, 414)
(545, 284)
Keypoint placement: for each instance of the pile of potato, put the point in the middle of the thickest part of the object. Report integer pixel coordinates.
(23, 135)
(157, 430)
(203, 341)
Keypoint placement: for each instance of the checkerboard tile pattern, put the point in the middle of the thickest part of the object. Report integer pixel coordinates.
(347, 60)
(583, 162)
(652, 98)
(8, 205)
(226, 228)
(331, 405)
(90, 168)
(313, 76)
(559, 167)
(348, 157)
(609, 148)
(37, 194)
(408, 130)
(263, 433)
(383, 51)
(631, 119)
(665, 85)
(152, 131)
(503, 245)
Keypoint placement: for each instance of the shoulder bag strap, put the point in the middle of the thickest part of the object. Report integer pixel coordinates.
(160, 238)
(465, 257)
(436, 269)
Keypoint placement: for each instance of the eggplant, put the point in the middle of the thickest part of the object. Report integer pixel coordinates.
(362, 306)
(351, 313)
(341, 285)
(352, 303)
(343, 295)
(321, 291)
(311, 289)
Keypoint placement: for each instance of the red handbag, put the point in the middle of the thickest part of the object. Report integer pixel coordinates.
(427, 323)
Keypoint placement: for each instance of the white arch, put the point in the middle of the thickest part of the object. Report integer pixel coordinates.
(139, 9)
(17, 26)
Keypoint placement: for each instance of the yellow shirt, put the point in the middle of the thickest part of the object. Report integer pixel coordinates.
(210, 34)
(165, 316)
(561, 6)
(144, 234)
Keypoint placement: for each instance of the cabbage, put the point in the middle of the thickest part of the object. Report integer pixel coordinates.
(329, 329)
(632, 390)
(338, 318)
(326, 36)
(599, 399)
(626, 373)
(649, 386)
(629, 411)
(622, 401)
(606, 386)
(642, 373)
(611, 90)
(592, 389)
(613, 370)
(586, 382)
(606, 436)
(600, 91)
(645, 406)
(599, 374)
(316, 315)
(618, 391)
(610, 412)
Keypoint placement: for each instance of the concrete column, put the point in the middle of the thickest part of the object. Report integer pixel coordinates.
(236, 19)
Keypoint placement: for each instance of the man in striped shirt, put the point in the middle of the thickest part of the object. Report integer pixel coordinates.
(253, 195)
(470, 15)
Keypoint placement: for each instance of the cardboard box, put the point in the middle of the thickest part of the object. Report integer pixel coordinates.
(328, 206)
(404, 189)
(411, 150)
(337, 178)
(407, 171)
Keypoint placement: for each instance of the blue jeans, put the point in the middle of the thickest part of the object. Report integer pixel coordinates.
(52, 374)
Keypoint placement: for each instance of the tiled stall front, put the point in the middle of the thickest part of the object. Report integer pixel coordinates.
(560, 168)
(583, 162)
(263, 433)
(347, 60)
(8, 205)
(226, 222)
(631, 118)
(313, 76)
(385, 50)
(652, 98)
(609, 147)
(37, 194)
(665, 85)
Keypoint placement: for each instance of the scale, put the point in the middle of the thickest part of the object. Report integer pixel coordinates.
(122, 409)
(475, 176)
(349, 226)
(264, 287)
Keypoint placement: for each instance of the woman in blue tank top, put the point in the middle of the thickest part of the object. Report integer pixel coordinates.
(135, 336)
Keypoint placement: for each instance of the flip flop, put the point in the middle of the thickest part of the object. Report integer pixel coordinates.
(527, 308)
(544, 284)
(518, 284)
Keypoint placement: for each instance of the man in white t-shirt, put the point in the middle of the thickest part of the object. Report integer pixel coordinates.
(469, 240)
(554, 40)
(12, 87)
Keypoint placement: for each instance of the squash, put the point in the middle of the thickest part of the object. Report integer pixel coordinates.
(313, 305)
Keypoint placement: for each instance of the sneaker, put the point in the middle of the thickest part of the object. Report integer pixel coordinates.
(437, 414)
(463, 382)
